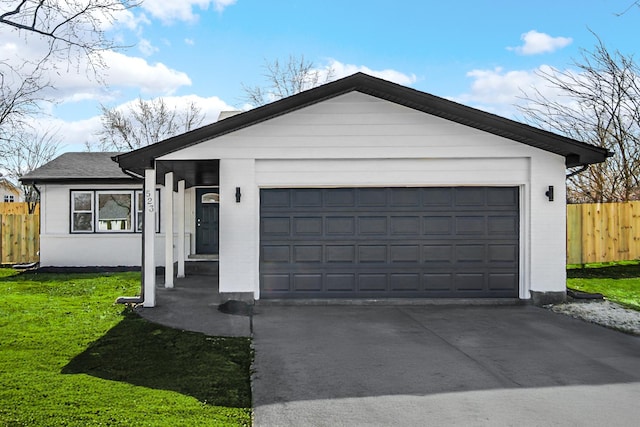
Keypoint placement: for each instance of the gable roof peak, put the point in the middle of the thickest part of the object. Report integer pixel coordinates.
(576, 152)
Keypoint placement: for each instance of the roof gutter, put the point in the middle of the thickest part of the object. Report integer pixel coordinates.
(583, 168)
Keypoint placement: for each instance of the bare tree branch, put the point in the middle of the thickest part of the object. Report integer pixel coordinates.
(286, 79)
(598, 104)
(27, 151)
(74, 32)
(145, 123)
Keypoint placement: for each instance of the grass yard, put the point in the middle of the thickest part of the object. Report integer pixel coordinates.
(618, 282)
(70, 357)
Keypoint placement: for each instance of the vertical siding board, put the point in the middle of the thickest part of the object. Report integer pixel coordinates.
(574, 234)
(634, 229)
(605, 232)
(20, 238)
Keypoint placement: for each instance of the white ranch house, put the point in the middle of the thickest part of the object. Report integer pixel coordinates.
(360, 188)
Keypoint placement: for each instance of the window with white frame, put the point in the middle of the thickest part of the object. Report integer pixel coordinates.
(8, 198)
(109, 211)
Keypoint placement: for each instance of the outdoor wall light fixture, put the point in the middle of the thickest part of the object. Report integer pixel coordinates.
(549, 193)
(239, 195)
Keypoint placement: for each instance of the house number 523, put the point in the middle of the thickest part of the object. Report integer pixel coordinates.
(148, 196)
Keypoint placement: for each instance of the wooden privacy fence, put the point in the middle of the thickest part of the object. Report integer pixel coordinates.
(603, 232)
(19, 234)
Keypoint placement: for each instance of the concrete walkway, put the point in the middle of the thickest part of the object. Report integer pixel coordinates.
(440, 365)
(192, 305)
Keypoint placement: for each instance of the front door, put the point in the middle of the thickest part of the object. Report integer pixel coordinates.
(207, 220)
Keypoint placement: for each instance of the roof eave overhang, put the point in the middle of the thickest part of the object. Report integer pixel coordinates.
(575, 152)
(81, 180)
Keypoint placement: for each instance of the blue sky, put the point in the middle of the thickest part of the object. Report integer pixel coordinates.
(477, 52)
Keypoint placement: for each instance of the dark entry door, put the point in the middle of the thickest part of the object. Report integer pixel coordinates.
(207, 209)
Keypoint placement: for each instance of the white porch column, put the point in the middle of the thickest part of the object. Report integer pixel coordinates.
(168, 229)
(180, 220)
(149, 238)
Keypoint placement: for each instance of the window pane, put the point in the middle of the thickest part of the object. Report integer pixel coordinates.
(114, 211)
(82, 222)
(140, 205)
(81, 201)
(210, 198)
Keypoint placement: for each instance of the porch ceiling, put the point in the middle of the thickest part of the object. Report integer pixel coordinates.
(193, 172)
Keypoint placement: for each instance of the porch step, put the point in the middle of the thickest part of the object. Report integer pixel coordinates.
(201, 268)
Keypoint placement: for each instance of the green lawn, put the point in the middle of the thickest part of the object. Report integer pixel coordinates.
(70, 357)
(618, 282)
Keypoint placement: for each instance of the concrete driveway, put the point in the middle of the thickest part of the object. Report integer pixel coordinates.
(440, 366)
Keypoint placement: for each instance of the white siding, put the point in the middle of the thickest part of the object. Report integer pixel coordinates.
(359, 140)
(60, 247)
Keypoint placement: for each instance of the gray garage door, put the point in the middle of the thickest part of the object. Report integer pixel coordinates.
(389, 242)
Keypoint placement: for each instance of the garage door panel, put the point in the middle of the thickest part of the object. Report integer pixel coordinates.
(502, 281)
(276, 254)
(340, 197)
(372, 282)
(403, 225)
(437, 197)
(437, 253)
(470, 225)
(469, 282)
(278, 198)
(307, 226)
(470, 253)
(437, 225)
(405, 282)
(307, 253)
(272, 283)
(307, 282)
(306, 198)
(470, 196)
(497, 196)
(404, 253)
(372, 253)
(372, 225)
(389, 242)
(507, 225)
(372, 197)
(341, 253)
(341, 226)
(405, 197)
(503, 253)
(275, 226)
(341, 282)
(437, 281)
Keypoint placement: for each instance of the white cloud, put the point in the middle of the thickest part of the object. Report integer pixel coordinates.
(342, 70)
(79, 133)
(146, 48)
(122, 72)
(536, 43)
(189, 42)
(499, 91)
(130, 71)
(182, 10)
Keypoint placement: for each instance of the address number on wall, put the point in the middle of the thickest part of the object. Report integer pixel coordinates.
(148, 197)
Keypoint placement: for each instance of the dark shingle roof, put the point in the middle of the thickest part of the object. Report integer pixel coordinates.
(78, 167)
(577, 153)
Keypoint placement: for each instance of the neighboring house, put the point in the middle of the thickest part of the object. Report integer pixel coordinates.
(9, 192)
(359, 188)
